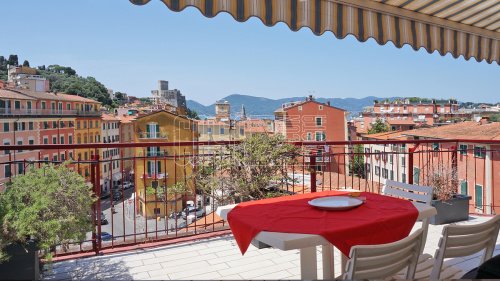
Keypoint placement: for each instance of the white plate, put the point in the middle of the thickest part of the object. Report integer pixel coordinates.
(335, 203)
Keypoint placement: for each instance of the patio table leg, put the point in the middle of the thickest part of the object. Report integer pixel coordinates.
(328, 262)
(308, 264)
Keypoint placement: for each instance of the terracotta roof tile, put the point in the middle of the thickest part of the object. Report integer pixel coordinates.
(469, 130)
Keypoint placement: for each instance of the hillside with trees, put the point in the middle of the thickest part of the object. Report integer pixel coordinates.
(63, 79)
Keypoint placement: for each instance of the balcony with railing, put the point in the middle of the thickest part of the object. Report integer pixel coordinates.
(6, 112)
(339, 168)
(153, 135)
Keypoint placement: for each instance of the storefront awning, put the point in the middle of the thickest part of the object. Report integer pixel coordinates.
(468, 28)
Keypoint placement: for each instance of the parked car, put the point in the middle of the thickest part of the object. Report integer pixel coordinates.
(106, 236)
(104, 221)
(117, 195)
(200, 212)
(127, 185)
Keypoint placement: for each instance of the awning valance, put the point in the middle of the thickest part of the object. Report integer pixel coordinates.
(470, 28)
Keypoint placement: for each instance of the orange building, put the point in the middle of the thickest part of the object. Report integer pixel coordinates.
(478, 163)
(311, 120)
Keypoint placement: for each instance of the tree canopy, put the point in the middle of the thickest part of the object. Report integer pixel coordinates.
(379, 127)
(192, 114)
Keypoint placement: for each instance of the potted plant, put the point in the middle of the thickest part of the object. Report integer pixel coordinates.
(45, 207)
(450, 206)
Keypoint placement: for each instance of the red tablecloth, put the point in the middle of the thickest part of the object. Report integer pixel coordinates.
(381, 219)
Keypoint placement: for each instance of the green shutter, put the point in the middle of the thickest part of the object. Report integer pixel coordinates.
(479, 196)
(149, 168)
(159, 167)
(463, 188)
(416, 175)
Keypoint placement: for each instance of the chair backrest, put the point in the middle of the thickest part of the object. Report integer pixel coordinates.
(464, 240)
(418, 193)
(382, 261)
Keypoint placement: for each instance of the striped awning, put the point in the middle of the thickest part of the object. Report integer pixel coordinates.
(468, 28)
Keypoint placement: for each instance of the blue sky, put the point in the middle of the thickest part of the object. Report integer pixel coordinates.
(129, 48)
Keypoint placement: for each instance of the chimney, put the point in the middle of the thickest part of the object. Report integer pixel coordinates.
(484, 120)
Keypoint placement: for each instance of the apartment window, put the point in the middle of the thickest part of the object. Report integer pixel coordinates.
(403, 178)
(62, 140)
(19, 142)
(63, 157)
(152, 130)
(391, 158)
(79, 156)
(300, 107)
(416, 175)
(392, 175)
(384, 173)
(90, 124)
(157, 211)
(309, 136)
(479, 152)
(68, 106)
(70, 155)
(54, 140)
(242, 131)
(377, 170)
(463, 149)
(54, 158)
(45, 124)
(61, 124)
(319, 121)
(45, 140)
(479, 196)
(86, 156)
(17, 104)
(6, 142)
(31, 142)
(463, 187)
(78, 124)
(320, 136)
(105, 168)
(368, 169)
(221, 131)
(44, 105)
(84, 124)
(435, 146)
(7, 171)
(97, 124)
(70, 139)
(320, 107)
(31, 126)
(6, 127)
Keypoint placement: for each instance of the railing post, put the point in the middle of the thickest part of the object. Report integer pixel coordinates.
(94, 208)
(411, 150)
(95, 176)
(312, 168)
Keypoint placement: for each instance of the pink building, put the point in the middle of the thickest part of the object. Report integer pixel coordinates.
(405, 115)
(478, 163)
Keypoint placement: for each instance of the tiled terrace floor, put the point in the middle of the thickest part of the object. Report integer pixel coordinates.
(214, 258)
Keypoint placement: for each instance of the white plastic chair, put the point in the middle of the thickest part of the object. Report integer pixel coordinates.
(459, 241)
(382, 261)
(417, 193)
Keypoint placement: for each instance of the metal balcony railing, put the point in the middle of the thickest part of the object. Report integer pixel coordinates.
(153, 135)
(360, 165)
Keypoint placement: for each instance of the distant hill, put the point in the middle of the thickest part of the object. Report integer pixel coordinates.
(263, 106)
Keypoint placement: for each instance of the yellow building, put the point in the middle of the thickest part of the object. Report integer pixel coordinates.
(158, 168)
(87, 130)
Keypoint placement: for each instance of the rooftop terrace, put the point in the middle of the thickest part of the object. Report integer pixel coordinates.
(215, 258)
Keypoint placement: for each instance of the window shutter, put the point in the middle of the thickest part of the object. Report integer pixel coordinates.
(479, 196)
(463, 188)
